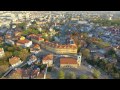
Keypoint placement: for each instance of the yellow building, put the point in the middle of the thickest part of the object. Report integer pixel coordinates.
(22, 38)
(60, 49)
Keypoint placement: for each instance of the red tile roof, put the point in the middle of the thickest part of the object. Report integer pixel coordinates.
(14, 60)
(68, 60)
(36, 46)
(23, 41)
(48, 57)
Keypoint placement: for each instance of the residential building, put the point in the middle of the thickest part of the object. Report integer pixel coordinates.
(32, 59)
(69, 62)
(35, 49)
(24, 42)
(15, 61)
(9, 41)
(48, 59)
(8, 36)
(2, 53)
(17, 33)
(60, 49)
(37, 40)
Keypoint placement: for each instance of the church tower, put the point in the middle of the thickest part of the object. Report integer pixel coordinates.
(79, 59)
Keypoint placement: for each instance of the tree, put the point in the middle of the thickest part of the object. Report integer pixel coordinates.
(11, 49)
(21, 25)
(16, 53)
(83, 76)
(78, 50)
(3, 68)
(70, 75)
(109, 67)
(30, 31)
(96, 73)
(111, 52)
(86, 53)
(8, 54)
(113, 56)
(23, 54)
(61, 74)
(116, 75)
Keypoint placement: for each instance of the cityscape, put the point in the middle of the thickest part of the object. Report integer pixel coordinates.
(59, 44)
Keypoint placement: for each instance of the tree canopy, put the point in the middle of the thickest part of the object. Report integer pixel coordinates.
(83, 76)
(96, 73)
(61, 75)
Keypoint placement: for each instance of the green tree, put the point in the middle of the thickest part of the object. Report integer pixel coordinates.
(21, 25)
(116, 75)
(96, 73)
(11, 49)
(109, 67)
(16, 53)
(78, 50)
(23, 54)
(8, 54)
(111, 52)
(86, 53)
(61, 74)
(70, 75)
(83, 76)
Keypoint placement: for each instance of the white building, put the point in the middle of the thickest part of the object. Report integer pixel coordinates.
(2, 53)
(24, 42)
(10, 42)
(48, 59)
(15, 61)
(32, 59)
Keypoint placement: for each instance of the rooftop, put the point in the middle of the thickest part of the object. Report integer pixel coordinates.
(14, 60)
(48, 57)
(23, 41)
(68, 60)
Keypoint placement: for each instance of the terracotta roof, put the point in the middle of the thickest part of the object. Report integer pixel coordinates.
(36, 46)
(14, 60)
(31, 35)
(23, 41)
(48, 57)
(56, 45)
(68, 60)
(38, 38)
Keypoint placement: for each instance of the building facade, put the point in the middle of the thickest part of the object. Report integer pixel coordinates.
(60, 49)
(2, 53)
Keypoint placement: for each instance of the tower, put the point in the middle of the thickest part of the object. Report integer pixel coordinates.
(79, 59)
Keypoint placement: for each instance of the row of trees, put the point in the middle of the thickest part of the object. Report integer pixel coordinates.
(106, 66)
(71, 75)
(30, 31)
